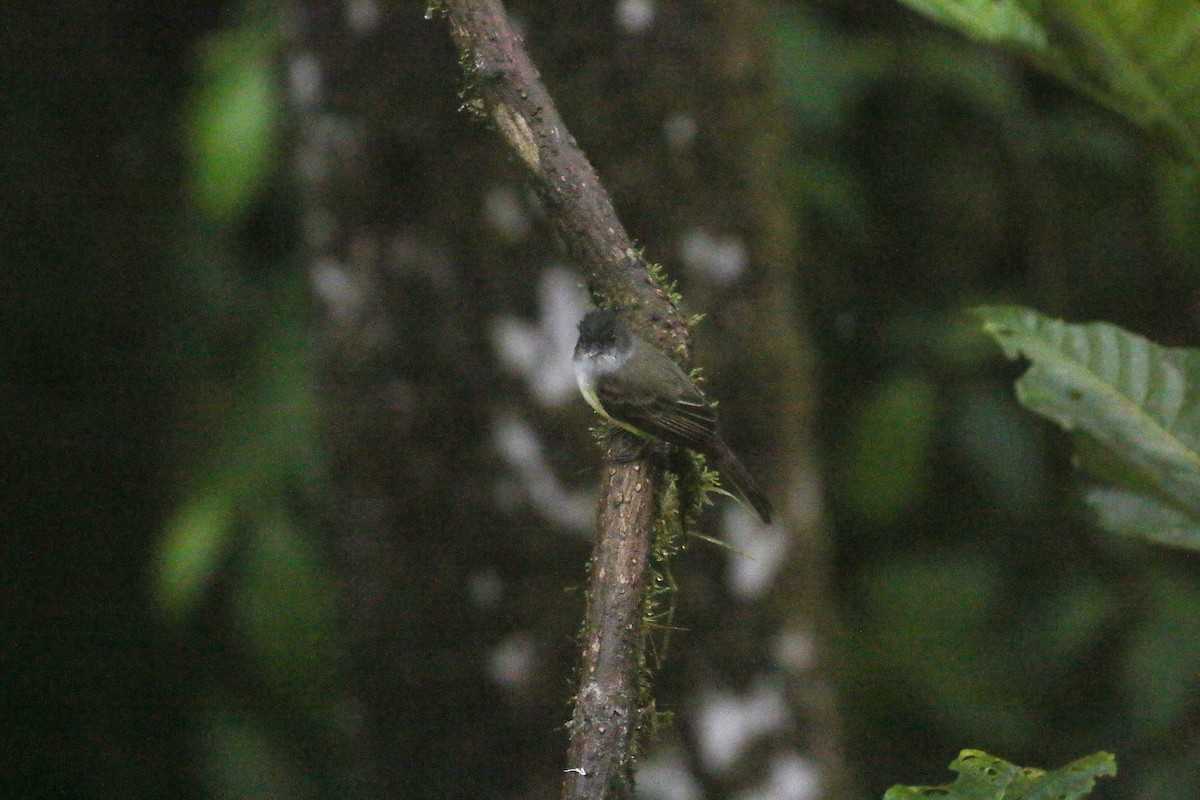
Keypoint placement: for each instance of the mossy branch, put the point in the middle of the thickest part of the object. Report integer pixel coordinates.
(612, 704)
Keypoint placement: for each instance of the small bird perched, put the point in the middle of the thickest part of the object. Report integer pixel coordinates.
(635, 385)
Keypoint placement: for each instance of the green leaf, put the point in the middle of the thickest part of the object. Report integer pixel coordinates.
(1132, 407)
(1138, 57)
(985, 777)
(1131, 404)
(1005, 22)
(1134, 514)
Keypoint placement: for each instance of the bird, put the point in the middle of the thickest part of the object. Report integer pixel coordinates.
(641, 389)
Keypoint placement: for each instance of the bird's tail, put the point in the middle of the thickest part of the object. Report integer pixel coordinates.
(739, 483)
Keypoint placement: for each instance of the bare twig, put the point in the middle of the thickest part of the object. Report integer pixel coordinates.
(502, 84)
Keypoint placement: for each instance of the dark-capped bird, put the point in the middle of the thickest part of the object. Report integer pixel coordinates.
(638, 387)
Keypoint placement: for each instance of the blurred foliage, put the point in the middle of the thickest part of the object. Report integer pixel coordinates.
(1139, 58)
(242, 758)
(931, 615)
(258, 445)
(934, 174)
(887, 460)
(240, 574)
(985, 777)
(1159, 680)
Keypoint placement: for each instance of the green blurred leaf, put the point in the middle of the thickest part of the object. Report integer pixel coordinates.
(234, 120)
(1161, 657)
(887, 466)
(1132, 407)
(1005, 448)
(1177, 212)
(283, 608)
(256, 450)
(932, 626)
(1138, 57)
(985, 777)
(192, 546)
(1073, 619)
(241, 758)
(822, 72)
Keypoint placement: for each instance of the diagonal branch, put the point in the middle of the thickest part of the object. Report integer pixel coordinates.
(502, 85)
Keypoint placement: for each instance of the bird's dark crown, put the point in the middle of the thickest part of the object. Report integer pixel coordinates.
(599, 327)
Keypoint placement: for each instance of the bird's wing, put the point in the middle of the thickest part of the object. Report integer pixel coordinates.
(667, 405)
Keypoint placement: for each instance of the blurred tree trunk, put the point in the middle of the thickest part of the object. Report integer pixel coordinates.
(420, 241)
(407, 280)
